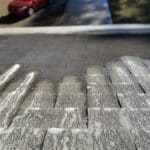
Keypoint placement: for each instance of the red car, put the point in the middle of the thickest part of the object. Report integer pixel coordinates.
(25, 8)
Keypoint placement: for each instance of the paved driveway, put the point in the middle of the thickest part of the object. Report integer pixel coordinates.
(84, 12)
(77, 12)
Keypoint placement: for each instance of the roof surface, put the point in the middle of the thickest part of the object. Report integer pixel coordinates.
(55, 56)
(74, 92)
(110, 112)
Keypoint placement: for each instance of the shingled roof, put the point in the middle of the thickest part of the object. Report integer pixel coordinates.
(110, 112)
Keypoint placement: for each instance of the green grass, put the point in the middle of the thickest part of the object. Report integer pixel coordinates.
(130, 11)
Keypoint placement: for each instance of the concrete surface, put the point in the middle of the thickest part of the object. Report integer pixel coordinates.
(86, 12)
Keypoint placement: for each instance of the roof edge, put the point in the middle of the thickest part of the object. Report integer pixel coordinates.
(90, 29)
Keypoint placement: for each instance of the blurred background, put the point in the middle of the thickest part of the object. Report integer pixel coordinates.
(76, 12)
(130, 11)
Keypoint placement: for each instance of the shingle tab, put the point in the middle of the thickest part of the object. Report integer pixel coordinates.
(142, 140)
(99, 92)
(21, 138)
(139, 71)
(8, 75)
(131, 101)
(50, 118)
(12, 102)
(71, 95)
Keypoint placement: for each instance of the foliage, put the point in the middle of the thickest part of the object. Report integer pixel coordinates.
(130, 11)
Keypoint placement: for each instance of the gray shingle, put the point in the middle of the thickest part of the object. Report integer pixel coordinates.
(50, 118)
